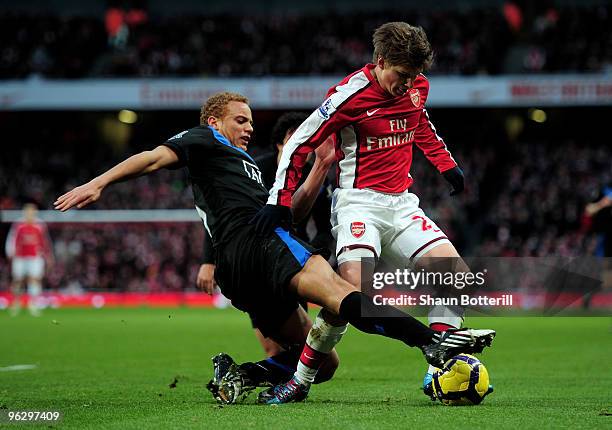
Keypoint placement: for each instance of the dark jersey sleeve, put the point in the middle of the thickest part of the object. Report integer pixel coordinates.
(187, 142)
(208, 254)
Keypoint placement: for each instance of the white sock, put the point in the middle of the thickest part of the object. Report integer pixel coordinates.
(34, 292)
(320, 341)
(452, 317)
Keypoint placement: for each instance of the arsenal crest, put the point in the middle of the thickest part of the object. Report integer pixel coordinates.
(357, 229)
(415, 97)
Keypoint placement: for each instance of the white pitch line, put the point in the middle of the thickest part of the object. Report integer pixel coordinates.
(17, 367)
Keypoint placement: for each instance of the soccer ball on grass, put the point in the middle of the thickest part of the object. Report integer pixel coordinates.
(464, 380)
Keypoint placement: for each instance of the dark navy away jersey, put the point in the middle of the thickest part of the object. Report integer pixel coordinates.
(227, 184)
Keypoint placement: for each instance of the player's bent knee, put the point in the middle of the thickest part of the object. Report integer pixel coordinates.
(356, 265)
(355, 254)
(350, 271)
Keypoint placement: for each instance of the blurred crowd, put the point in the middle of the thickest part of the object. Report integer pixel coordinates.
(142, 257)
(40, 176)
(529, 202)
(130, 42)
(128, 257)
(526, 201)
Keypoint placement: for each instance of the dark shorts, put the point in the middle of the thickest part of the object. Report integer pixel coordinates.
(254, 273)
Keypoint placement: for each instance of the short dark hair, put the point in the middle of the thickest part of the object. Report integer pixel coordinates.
(402, 44)
(216, 105)
(289, 121)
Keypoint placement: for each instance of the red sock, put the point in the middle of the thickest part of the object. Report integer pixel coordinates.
(309, 364)
(440, 326)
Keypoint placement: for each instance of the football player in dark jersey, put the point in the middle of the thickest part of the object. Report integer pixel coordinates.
(265, 276)
(283, 129)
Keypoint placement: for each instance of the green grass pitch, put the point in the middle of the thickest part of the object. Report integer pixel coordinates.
(111, 368)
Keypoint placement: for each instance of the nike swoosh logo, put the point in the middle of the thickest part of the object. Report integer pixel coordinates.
(308, 356)
(372, 112)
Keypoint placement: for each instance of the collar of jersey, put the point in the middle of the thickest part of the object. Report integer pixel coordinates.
(226, 142)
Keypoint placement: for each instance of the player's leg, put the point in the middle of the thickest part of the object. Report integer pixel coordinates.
(318, 283)
(317, 353)
(325, 333)
(35, 268)
(328, 327)
(17, 275)
(356, 230)
(442, 318)
(270, 347)
(422, 245)
(254, 273)
(420, 240)
(16, 289)
(276, 322)
(289, 325)
(233, 381)
(34, 291)
(444, 256)
(291, 335)
(359, 218)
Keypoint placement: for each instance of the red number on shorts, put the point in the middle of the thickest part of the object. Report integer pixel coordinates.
(425, 225)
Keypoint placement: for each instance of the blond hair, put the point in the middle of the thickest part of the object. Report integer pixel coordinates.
(402, 44)
(216, 105)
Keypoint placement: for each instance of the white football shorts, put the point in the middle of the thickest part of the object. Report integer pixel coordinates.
(32, 267)
(390, 225)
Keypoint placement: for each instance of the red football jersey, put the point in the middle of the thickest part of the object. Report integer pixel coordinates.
(27, 240)
(374, 133)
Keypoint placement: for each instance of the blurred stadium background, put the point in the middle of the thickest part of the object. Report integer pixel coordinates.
(521, 93)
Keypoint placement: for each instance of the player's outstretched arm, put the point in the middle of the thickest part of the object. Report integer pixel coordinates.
(137, 165)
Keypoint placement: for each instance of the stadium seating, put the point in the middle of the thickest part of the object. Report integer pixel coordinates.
(473, 41)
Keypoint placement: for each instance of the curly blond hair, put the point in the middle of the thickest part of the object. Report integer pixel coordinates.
(216, 105)
(402, 44)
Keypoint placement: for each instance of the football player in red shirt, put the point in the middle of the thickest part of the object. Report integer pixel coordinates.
(377, 114)
(28, 246)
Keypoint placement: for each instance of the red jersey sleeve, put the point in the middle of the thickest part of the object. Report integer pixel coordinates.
(335, 113)
(432, 145)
